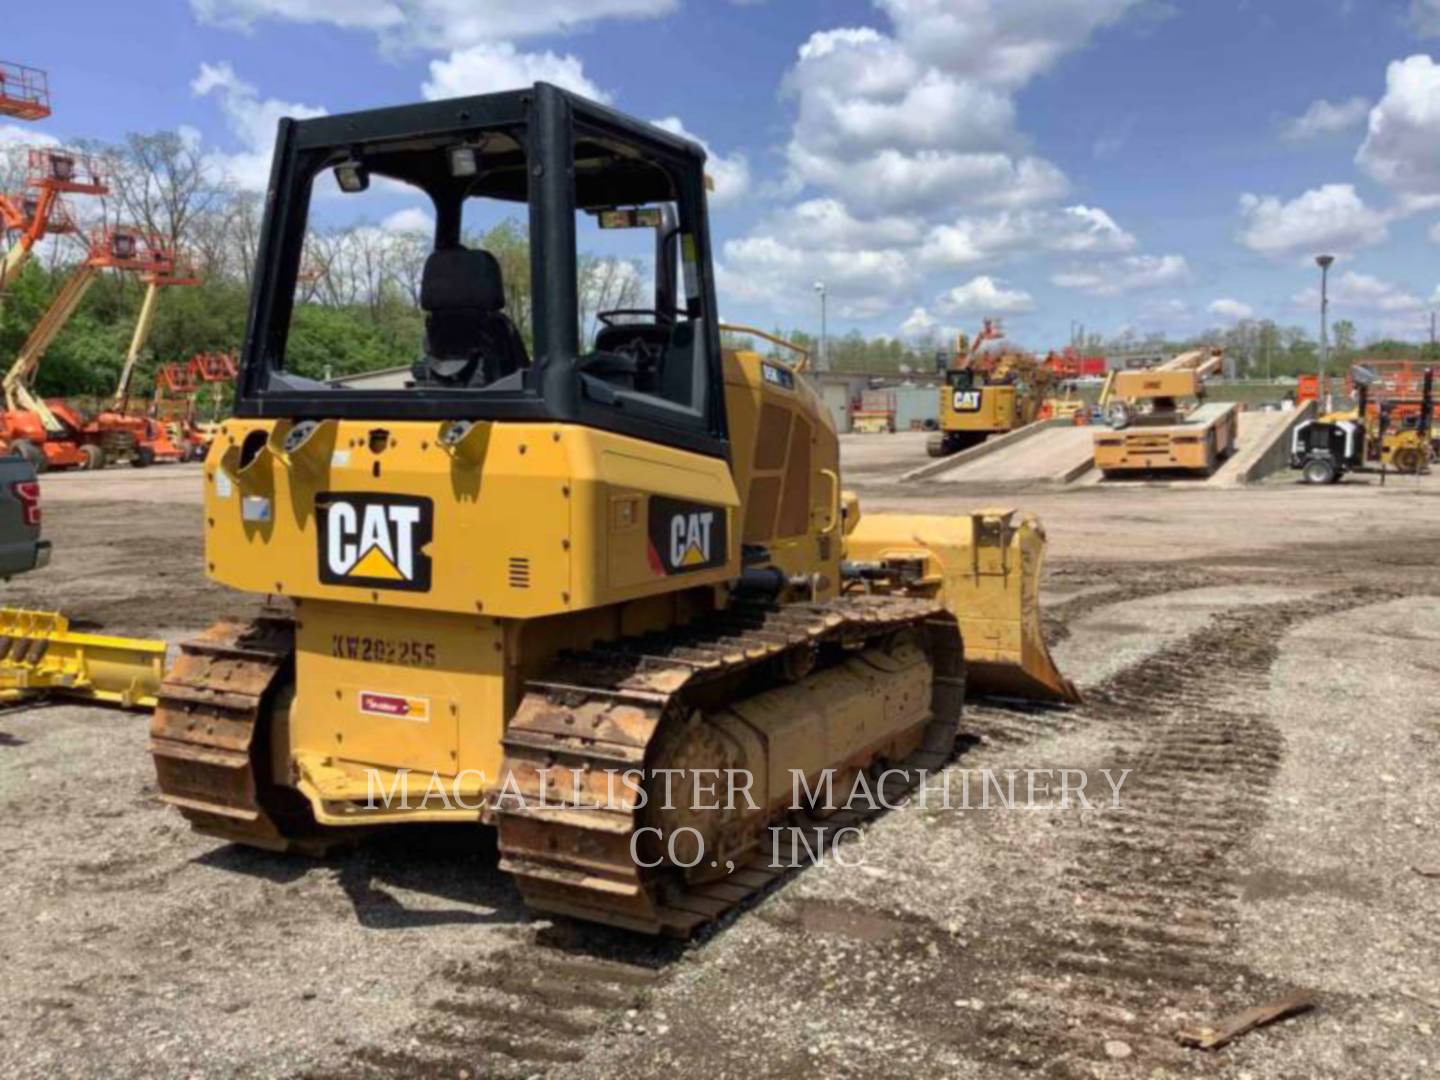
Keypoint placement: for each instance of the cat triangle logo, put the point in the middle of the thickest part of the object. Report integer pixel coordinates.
(375, 564)
(685, 536)
(375, 541)
(694, 556)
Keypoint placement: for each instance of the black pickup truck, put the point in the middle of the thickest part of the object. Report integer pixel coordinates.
(21, 549)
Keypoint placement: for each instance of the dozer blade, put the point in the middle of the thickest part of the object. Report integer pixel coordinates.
(986, 570)
(40, 655)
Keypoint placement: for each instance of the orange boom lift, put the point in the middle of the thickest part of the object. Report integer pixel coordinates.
(177, 399)
(51, 433)
(38, 210)
(119, 432)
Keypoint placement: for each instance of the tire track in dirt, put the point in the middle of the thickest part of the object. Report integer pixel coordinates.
(1144, 951)
(1145, 944)
(526, 1010)
(1016, 723)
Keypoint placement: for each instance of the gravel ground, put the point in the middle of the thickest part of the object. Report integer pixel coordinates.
(1263, 661)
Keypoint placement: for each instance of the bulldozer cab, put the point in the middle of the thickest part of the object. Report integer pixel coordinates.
(652, 370)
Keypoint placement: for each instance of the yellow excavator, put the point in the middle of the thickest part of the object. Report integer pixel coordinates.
(988, 390)
(545, 584)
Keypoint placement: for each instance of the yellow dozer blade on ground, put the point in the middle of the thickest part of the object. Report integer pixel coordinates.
(986, 569)
(40, 655)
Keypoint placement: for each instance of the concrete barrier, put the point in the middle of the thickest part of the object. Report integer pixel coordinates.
(1272, 454)
(985, 449)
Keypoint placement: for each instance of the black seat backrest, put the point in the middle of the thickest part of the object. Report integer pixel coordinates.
(616, 338)
(469, 340)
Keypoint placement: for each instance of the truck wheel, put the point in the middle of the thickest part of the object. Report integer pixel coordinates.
(938, 444)
(1320, 471)
(30, 452)
(91, 457)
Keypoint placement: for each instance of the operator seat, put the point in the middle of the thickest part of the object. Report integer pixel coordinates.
(469, 340)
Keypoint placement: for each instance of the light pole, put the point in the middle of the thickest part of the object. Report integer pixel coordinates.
(1324, 262)
(823, 361)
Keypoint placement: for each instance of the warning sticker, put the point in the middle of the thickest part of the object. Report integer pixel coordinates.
(394, 706)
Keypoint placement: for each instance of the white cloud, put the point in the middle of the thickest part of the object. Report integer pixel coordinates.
(879, 119)
(432, 24)
(411, 219)
(490, 67)
(1425, 17)
(1329, 218)
(769, 270)
(13, 134)
(1005, 43)
(730, 174)
(1402, 145)
(1129, 274)
(931, 180)
(906, 157)
(984, 295)
(1089, 229)
(827, 223)
(1231, 310)
(1363, 292)
(1324, 117)
(251, 121)
(918, 324)
(1072, 230)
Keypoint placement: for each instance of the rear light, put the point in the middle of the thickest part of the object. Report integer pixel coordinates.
(27, 492)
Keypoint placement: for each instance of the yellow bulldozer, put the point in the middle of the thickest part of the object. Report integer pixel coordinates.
(537, 579)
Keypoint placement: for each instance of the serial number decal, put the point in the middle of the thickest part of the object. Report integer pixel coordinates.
(374, 650)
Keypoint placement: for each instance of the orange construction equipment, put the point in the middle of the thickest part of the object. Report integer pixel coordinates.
(177, 399)
(124, 435)
(51, 433)
(24, 92)
(38, 211)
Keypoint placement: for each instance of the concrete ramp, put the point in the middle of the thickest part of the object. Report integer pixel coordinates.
(1262, 446)
(1055, 455)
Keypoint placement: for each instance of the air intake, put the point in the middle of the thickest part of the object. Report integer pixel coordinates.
(519, 573)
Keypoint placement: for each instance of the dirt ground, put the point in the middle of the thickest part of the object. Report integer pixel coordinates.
(1265, 661)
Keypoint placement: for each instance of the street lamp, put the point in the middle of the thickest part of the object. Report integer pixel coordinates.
(1324, 262)
(822, 362)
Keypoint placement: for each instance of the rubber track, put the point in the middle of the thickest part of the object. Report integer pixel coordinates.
(573, 856)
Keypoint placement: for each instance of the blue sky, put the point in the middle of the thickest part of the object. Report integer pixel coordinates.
(1153, 164)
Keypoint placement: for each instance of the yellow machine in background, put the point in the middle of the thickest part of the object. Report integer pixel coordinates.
(987, 392)
(1149, 428)
(1410, 446)
(531, 574)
